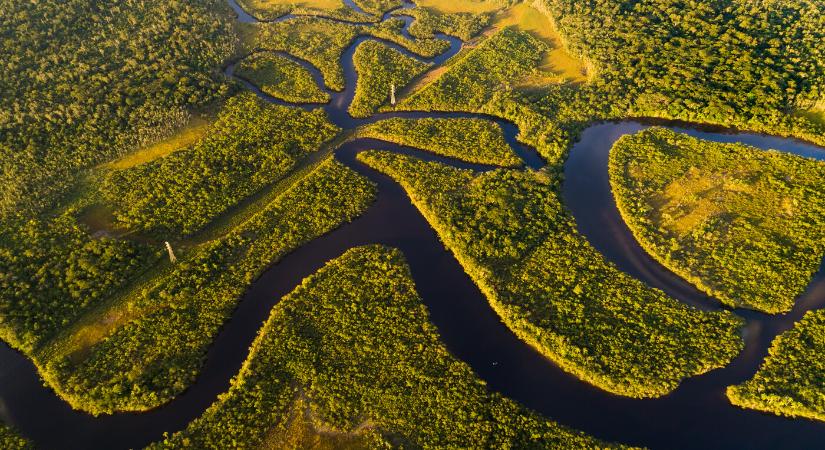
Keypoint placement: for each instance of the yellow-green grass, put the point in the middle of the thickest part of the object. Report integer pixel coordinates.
(456, 6)
(557, 64)
(815, 114)
(186, 136)
(742, 224)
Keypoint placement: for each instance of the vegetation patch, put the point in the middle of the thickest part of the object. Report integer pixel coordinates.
(742, 224)
(500, 61)
(272, 9)
(789, 382)
(350, 357)
(322, 42)
(51, 271)
(557, 65)
(473, 140)
(509, 231)
(250, 145)
(477, 7)
(10, 440)
(378, 7)
(281, 78)
(733, 63)
(155, 356)
(428, 22)
(81, 87)
(380, 69)
(185, 137)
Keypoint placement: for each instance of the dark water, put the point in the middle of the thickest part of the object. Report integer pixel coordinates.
(697, 415)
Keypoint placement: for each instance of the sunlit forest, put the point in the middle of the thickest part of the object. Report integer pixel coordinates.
(412, 224)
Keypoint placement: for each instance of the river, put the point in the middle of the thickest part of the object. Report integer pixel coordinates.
(696, 415)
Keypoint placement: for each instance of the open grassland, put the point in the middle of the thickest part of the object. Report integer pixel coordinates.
(744, 225)
(182, 138)
(379, 69)
(351, 358)
(512, 236)
(378, 7)
(251, 144)
(281, 78)
(557, 64)
(321, 42)
(154, 356)
(10, 440)
(473, 140)
(789, 382)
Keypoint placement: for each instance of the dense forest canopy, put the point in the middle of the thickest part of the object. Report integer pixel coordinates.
(703, 60)
(352, 346)
(789, 382)
(112, 325)
(511, 234)
(84, 80)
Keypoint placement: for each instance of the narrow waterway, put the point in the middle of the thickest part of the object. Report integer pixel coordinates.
(696, 415)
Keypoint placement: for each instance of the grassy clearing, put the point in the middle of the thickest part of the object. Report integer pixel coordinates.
(473, 140)
(378, 7)
(815, 115)
(252, 144)
(742, 224)
(789, 382)
(350, 358)
(192, 132)
(557, 65)
(270, 5)
(281, 78)
(512, 236)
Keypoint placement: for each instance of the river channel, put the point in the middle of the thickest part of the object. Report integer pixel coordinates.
(696, 415)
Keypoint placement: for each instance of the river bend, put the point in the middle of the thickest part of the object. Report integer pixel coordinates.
(696, 415)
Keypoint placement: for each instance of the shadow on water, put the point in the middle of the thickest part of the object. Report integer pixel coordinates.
(696, 415)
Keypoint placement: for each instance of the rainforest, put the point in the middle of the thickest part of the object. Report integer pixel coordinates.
(412, 224)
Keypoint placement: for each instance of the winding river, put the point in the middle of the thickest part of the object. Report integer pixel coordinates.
(696, 415)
